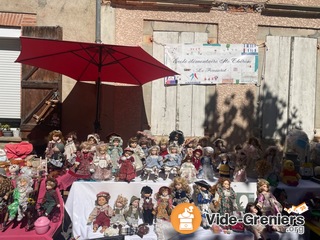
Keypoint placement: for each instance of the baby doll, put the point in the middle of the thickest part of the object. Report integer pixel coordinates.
(127, 171)
(227, 196)
(115, 151)
(224, 166)
(239, 174)
(20, 197)
(120, 207)
(133, 214)
(102, 213)
(164, 203)
(172, 162)
(138, 153)
(256, 229)
(188, 170)
(147, 205)
(50, 199)
(102, 164)
(70, 148)
(253, 151)
(176, 138)
(180, 191)
(153, 163)
(93, 139)
(54, 151)
(206, 163)
(266, 202)
(163, 144)
(196, 160)
(204, 198)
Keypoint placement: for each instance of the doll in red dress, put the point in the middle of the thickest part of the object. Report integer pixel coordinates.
(127, 170)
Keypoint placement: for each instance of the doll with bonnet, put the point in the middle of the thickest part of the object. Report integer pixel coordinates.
(93, 140)
(102, 213)
(115, 151)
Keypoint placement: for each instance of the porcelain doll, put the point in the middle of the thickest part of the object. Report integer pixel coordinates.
(204, 198)
(164, 203)
(189, 146)
(196, 160)
(115, 151)
(70, 148)
(93, 139)
(127, 170)
(81, 168)
(163, 144)
(102, 213)
(14, 171)
(54, 151)
(101, 164)
(50, 200)
(253, 151)
(134, 213)
(227, 196)
(144, 144)
(120, 207)
(188, 170)
(147, 205)
(219, 148)
(6, 187)
(176, 138)
(256, 229)
(239, 173)
(224, 166)
(266, 201)
(20, 198)
(138, 154)
(153, 163)
(272, 156)
(180, 191)
(172, 162)
(206, 163)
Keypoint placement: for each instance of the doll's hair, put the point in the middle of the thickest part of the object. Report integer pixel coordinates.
(94, 136)
(85, 145)
(184, 184)
(133, 140)
(102, 146)
(73, 135)
(105, 195)
(56, 133)
(115, 138)
(146, 190)
(248, 208)
(260, 183)
(171, 147)
(180, 136)
(161, 190)
(52, 182)
(121, 199)
(255, 142)
(217, 141)
(26, 178)
(163, 141)
(186, 159)
(157, 148)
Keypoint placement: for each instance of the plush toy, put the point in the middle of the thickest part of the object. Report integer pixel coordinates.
(289, 175)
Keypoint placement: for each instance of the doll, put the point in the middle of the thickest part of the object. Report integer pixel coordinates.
(20, 197)
(206, 163)
(204, 198)
(219, 148)
(196, 160)
(54, 151)
(153, 163)
(5, 187)
(127, 171)
(239, 174)
(227, 196)
(176, 138)
(163, 144)
(138, 153)
(189, 146)
(266, 202)
(50, 199)
(180, 191)
(253, 151)
(93, 139)
(272, 156)
(172, 162)
(102, 164)
(115, 151)
(133, 214)
(144, 144)
(14, 171)
(70, 148)
(147, 205)
(224, 166)
(164, 203)
(81, 168)
(188, 170)
(102, 213)
(120, 207)
(256, 229)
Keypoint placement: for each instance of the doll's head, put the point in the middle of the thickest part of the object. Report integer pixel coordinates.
(253, 141)
(51, 183)
(173, 149)
(121, 202)
(252, 208)
(224, 157)
(85, 146)
(187, 158)
(71, 136)
(224, 183)
(208, 151)
(163, 192)
(115, 141)
(143, 142)
(154, 150)
(204, 142)
(163, 144)
(93, 138)
(102, 198)
(146, 191)
(180, 183)
(202, 185)
(56, 135)
(219, 143)
(197, 153)
(191, 142)
(134, 201)
(102, 148)
(262, 185)
(24, 181)
(176, 136)
(127, 152)
(14, 169)
(133, 142)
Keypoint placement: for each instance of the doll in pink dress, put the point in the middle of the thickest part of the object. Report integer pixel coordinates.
(127, 170)
(102, 164)
(102, 213)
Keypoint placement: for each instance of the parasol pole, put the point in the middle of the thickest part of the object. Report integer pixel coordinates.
(97, 125)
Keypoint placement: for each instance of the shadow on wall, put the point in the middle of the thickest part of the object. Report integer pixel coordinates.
(121, 111)
(238, 122)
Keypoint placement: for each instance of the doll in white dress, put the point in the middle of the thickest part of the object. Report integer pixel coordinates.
(101, 164)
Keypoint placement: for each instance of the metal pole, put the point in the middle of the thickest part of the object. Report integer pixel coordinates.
(98, 21)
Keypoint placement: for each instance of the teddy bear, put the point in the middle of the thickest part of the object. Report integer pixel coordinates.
(289, 175)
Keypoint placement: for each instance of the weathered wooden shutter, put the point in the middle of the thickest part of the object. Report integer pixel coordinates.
(289, 86)
(40, 111)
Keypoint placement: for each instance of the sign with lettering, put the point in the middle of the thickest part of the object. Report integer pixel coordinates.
(212, 63)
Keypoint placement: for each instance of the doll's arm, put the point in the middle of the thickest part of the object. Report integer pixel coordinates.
(92, 216)
(260, 199)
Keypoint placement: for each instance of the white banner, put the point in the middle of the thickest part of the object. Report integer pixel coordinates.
(212, 63)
